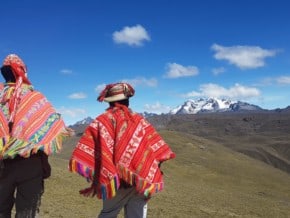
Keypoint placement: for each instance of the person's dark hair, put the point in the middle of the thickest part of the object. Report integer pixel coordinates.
(123, 102)
(8, 74)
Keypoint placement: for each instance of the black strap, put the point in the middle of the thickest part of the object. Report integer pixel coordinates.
(10, 125)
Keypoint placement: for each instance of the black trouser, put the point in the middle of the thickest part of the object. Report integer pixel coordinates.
(25, 176)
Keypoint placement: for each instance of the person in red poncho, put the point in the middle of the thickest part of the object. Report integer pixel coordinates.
(30, 130)
(120, 154)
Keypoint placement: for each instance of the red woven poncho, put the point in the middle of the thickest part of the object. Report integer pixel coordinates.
(36, 124)
(120, 144)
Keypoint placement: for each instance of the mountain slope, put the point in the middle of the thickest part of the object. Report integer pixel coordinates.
(205, 180)
(260, 135)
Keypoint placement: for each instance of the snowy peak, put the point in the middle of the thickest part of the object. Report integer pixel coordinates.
(85, 121)
(200, 105)
(212, 105)
(147, 114)
(239, 106)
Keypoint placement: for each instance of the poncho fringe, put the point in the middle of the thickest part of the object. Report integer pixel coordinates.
(109, 190)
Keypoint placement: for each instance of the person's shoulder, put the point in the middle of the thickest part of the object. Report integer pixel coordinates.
(27, 88)
(103, 116)
(33, 92)
(138, 117)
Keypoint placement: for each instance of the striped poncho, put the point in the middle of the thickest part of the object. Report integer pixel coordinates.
(36, 125)
(120, 145)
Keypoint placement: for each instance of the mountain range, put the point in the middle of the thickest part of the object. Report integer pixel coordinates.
(229, 163)
(201, 105)
(243, 127)
(212, 105)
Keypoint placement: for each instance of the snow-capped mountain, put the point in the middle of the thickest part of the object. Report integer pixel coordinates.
(201, 105)
(212, 105)
(86, 121)
(239, 106)
(147, 114)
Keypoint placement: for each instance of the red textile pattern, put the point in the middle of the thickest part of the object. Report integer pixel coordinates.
(36, 126)
(114, 147)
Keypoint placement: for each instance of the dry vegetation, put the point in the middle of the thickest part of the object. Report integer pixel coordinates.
(263, 136)
(206, 179)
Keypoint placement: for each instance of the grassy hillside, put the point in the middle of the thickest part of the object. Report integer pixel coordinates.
(206, 179)
(263, 136)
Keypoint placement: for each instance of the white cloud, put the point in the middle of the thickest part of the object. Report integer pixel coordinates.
(133, 36)
(192, 94)
(72, 115)
(66, 71)
(237, 91)
(100, 87)
(72, 112)
(141, 81)
(156, 108)
(79, 95)
(244, 57)
(176, 70)
(217, 71)
(283, 80)
(269, 81)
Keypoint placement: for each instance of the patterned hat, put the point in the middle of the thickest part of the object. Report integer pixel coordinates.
(18, 67)
(116, 92)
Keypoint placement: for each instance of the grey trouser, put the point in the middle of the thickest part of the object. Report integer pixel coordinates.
(134, 204)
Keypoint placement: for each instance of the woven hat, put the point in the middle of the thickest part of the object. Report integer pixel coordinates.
(18, 67)
(116, 92)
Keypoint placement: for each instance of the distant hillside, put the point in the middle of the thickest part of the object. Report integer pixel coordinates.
(262, 135)
(205, 180)
(227, 165)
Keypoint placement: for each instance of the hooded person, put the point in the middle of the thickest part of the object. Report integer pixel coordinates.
(120, 154)
(30, 131)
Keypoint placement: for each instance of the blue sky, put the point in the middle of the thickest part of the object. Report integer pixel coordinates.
(170, 51)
